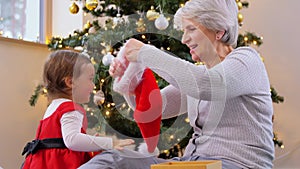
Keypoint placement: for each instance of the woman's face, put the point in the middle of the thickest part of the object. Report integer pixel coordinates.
(200, 40)
(83, 85)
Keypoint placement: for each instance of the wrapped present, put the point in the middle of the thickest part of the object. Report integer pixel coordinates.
(206, 164)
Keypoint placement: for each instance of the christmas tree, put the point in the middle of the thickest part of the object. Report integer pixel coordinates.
(113, 23)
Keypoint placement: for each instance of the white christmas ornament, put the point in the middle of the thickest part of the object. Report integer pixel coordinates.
(118, 19)
(99, 98)
(107, 59)
(161, 22)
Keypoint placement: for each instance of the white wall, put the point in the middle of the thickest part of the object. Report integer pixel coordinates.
(278, 23)
(20, 71)
(63, 22)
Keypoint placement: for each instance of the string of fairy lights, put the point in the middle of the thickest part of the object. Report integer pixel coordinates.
(87, 41)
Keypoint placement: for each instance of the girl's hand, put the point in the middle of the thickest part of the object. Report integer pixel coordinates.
(116, 68)
(132, 47)
(120, 144)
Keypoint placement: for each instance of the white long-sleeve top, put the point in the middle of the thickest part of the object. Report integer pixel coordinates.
(71, 124)
(229, 105)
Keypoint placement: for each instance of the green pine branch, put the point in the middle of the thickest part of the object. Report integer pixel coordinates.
(275, 97)
(249, 38)
(77, 39)
(37, 92)
(245, 4)
(276, 141)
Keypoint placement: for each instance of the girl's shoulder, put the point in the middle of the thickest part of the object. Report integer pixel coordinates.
(68, 106)
(62, 105)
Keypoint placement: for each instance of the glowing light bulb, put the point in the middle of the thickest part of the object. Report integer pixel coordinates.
(187, 120)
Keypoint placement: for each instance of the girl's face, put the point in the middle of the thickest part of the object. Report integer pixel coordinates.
(200, 40)
(83, 85)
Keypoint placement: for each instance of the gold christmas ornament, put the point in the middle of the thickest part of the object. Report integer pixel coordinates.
(91, 4)
(141, 26)
(240, 18)
(262, 59)
(108, 48)
(87, 25)
(240, 5)
(152, 14)
(74, 8)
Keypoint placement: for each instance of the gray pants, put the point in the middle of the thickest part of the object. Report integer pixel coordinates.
(128, 159)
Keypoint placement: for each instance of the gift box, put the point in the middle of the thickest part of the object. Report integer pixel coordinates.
(206, 164)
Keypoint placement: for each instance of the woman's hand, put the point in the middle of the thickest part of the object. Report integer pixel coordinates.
(132, 47)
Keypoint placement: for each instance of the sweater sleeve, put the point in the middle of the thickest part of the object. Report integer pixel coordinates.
(174, 103)
(235, 76)
(71, 124)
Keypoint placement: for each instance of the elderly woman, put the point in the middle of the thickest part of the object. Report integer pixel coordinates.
(228, 100)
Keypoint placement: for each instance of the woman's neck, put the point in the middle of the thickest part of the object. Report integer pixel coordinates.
(223, 50)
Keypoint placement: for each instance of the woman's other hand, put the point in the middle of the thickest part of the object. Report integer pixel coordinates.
(132, 48)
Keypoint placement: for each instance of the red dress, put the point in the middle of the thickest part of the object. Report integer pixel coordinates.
(57, 158)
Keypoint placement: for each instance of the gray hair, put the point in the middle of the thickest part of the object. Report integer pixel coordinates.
(216, 15)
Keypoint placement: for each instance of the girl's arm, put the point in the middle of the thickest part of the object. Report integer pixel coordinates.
(71, 124)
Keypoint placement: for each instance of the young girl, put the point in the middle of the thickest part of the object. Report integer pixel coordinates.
(61, 139)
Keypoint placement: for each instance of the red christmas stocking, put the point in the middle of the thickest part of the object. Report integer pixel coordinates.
(148, 109)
